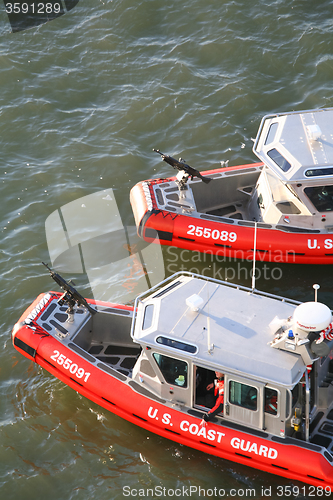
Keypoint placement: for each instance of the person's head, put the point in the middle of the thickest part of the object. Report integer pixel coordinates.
(219, 375)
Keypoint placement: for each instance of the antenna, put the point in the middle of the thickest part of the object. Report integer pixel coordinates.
(210, 346)
(316, 288)
(210, 350)
(254, 257)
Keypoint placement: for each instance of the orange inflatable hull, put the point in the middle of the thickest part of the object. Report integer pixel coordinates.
(226, 236)
(287, 457)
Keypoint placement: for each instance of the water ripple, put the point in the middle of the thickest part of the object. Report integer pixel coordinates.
(83, 101)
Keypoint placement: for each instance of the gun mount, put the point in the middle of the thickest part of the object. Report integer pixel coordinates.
(185, 171)
(70, 296)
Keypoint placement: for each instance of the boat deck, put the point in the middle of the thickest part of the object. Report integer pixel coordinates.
(121, 358)
(228, 195)
(236, 211)
(321, 429)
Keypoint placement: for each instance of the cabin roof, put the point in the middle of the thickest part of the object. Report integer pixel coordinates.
(239, 329)
(293, 144)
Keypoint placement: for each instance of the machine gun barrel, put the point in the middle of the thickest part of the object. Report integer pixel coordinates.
(74, 294)
(181, 165)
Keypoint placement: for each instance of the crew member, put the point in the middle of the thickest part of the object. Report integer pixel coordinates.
(219, 392)
(271, 402)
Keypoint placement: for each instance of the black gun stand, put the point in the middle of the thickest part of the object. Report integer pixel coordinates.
(181, 179)
(68, 299)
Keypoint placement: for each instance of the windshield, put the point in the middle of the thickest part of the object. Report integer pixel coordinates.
(321, 197)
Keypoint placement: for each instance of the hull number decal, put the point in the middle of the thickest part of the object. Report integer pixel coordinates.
(69, 365)
(215, 234)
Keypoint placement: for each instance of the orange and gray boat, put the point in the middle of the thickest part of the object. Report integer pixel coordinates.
(284, 203)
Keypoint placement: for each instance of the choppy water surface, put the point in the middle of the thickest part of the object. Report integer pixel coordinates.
(83, 101)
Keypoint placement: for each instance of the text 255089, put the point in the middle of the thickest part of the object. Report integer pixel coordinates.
(215, 234)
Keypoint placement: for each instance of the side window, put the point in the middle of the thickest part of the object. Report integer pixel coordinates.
(271, 401)
(321, 197)
(279, 160)
(243, 395)
(271, 133)
(173, 370)
(148, 317)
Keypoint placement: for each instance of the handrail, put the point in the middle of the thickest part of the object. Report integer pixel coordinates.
(307, 407)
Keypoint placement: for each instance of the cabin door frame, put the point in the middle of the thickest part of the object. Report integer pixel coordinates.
(243, 401)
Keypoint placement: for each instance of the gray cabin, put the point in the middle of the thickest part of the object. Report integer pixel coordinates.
(296, 184)
(292, 189)
(263, 344)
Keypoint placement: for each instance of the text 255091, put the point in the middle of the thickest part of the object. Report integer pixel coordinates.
(67, 363)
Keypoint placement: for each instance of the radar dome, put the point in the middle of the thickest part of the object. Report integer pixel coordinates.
(312, 316)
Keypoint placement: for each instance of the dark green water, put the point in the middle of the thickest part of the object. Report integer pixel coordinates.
(83, 100)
